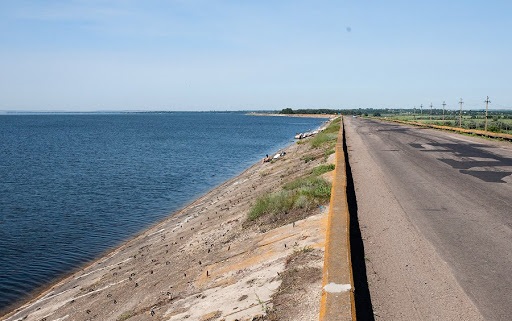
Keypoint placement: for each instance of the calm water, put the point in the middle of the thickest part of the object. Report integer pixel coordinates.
(72, 186)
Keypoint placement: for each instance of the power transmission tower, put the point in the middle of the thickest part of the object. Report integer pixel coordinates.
(444, 104)
(460, 114)
(487, 101)
(430, 111)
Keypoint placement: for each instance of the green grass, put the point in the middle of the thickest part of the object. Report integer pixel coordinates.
(334, 126)
(319, 170)
(272, 203)
(306, 192)
(313, 187)
(322, 138)
(329, 152)
(328, 135)
(303, 193)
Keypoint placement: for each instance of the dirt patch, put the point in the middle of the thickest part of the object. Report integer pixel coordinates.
(271, 221)
(293, 300)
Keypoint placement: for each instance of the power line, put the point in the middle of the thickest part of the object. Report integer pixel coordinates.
(460, 114)
(487, 101)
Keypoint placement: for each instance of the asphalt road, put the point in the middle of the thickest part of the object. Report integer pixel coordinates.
(435, 210)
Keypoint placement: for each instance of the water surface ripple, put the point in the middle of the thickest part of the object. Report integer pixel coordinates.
(73, 186)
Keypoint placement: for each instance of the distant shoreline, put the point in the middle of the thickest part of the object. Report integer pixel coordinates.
(327, 116)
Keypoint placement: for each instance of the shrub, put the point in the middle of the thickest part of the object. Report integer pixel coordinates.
(272, 203)
(303, 202)
(317, 189)
(495, 127)
(313, 187)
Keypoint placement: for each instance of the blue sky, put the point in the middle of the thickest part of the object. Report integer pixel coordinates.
(88, 55)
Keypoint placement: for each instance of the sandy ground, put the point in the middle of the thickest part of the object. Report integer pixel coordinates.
(203, 263)
(407, 278)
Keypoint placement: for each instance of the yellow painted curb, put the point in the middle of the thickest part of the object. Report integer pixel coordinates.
(337, 302)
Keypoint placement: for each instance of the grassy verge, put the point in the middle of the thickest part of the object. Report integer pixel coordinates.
(319, 170)
(328, 136)
(301, 194)
(297, 198)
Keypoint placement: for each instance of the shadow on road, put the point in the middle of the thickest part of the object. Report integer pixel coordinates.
(363, 302)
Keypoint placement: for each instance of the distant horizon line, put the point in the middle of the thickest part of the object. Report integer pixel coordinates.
(128, 111)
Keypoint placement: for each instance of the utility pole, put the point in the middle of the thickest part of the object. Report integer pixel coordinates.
(460, 114)
(430, 111)
(421, 109)
(487, 101)
(444, 104)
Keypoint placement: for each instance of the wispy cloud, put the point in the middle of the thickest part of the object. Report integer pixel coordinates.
(65, 11)
(110, 17)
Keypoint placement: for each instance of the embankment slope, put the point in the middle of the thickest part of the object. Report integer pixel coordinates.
(204, 263)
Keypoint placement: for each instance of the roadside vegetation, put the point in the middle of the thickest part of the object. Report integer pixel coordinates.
(322, 144)
(495, 124)
(294, 200)
(297, 199)
(302, 193)
(498, 121)
(299, 190)
(319, 170)
(327, 138)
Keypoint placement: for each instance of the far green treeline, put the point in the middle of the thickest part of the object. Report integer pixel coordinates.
(498, 121)
(391, 111)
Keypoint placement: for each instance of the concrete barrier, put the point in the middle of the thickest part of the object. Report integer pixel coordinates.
(337, 302)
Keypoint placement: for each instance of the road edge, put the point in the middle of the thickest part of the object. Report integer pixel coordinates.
(337, 301)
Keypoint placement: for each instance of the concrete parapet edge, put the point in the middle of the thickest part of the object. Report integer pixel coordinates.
(337, 301)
